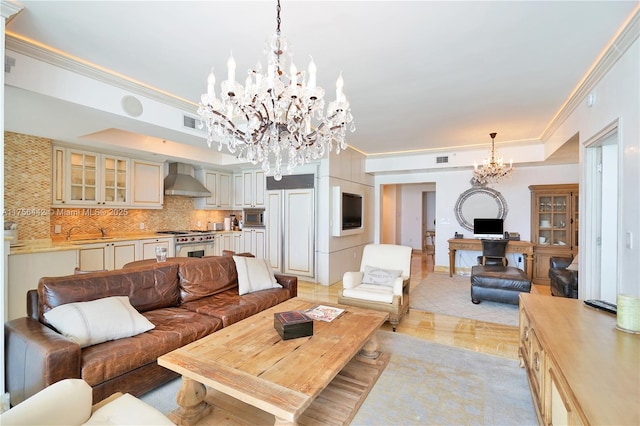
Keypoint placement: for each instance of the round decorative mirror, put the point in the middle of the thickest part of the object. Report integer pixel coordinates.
(479, 202)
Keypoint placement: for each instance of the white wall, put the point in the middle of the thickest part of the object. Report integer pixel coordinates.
(617, 97)
(336, 255)
(450, 184)
(389, 215)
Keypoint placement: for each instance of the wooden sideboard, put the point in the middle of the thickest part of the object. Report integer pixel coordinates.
(523, 247)
(581, 369)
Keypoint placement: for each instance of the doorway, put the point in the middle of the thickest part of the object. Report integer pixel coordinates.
(600, 275)
(429, 223)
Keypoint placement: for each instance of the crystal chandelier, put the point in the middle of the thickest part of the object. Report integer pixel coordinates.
(275, 114)
(493, 170)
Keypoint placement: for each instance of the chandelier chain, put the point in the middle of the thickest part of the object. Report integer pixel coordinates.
(278, 18)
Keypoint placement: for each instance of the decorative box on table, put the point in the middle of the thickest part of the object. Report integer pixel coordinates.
(292, 324)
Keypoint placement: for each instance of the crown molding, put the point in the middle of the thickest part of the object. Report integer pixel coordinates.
(616, 49)
(94, 72)
(9, 9)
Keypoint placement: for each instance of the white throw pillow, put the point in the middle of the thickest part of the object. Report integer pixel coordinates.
(573, 266)
(254, 274)
(97, 321)
(379, 276)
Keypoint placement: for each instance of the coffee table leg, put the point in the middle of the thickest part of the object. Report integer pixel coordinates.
(283, 422)
(192, 406)
(370, 349)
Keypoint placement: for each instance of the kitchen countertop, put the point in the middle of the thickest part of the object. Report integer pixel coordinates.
(60, 244)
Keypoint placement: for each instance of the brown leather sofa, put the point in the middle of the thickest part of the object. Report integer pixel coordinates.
(185, 298)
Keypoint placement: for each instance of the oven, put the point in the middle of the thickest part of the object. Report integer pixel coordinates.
(253, 218)
(194, 250)
(192, 243)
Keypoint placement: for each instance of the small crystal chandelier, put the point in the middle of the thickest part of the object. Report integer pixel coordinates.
(274, 114)
(493, 170)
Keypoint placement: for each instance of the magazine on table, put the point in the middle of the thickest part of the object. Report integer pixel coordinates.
(324, 313)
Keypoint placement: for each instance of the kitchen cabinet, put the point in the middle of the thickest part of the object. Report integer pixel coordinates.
(83, 178)
(148, 247)
(253, 241)
(59, 176)
(115, 180)
(148, 184)
(219, 184)
(554, 225)
(249, 188)
(238, 189)
(228, 241)
(25, 270)
(106, 256)
(91, 179)
(291, 231)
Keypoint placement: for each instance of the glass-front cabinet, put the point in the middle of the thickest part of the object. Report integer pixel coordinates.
(554, 225)
(115, 183)
(89, 179)
(84, 176)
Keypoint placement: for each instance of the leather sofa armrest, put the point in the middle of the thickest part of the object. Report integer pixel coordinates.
(289, 282)
(559, 262)
(36, 357)
(32, 304)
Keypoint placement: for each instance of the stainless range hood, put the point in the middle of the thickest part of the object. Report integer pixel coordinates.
(180, 181)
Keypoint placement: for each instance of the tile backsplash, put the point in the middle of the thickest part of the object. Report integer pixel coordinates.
(27, 201)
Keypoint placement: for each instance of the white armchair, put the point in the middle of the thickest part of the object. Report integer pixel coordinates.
(68, 402)
(382, 283)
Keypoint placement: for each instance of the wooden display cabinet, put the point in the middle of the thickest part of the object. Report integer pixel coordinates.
(554, 225)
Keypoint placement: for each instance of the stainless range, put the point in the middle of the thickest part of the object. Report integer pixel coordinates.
(194, 243)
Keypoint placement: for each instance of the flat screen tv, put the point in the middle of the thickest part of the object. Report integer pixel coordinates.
(351, 211)
(488, 228)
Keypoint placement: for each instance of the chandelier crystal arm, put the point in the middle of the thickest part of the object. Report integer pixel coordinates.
(282, 112)
(492, 170)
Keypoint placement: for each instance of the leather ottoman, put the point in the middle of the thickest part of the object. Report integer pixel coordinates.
(498, 283)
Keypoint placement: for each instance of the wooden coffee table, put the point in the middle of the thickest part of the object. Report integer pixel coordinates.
(251, 363)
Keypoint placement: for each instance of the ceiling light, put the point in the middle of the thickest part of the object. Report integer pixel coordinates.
(493, 170)
(275, 114)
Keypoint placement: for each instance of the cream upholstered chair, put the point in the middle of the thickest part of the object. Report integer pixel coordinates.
(68, 402)
(382, 283)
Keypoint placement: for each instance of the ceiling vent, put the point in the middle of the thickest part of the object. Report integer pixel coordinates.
(191, 123)
(444, 159)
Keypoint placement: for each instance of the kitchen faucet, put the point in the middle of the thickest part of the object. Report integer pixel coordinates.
(103, 231)
(69, 232)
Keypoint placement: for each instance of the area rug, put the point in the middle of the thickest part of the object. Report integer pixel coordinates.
(427, 383)
(446, 295)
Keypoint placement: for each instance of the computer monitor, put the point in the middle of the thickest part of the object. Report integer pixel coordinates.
(488, 228)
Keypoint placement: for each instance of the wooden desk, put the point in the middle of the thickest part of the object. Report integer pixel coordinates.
(523, 247)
